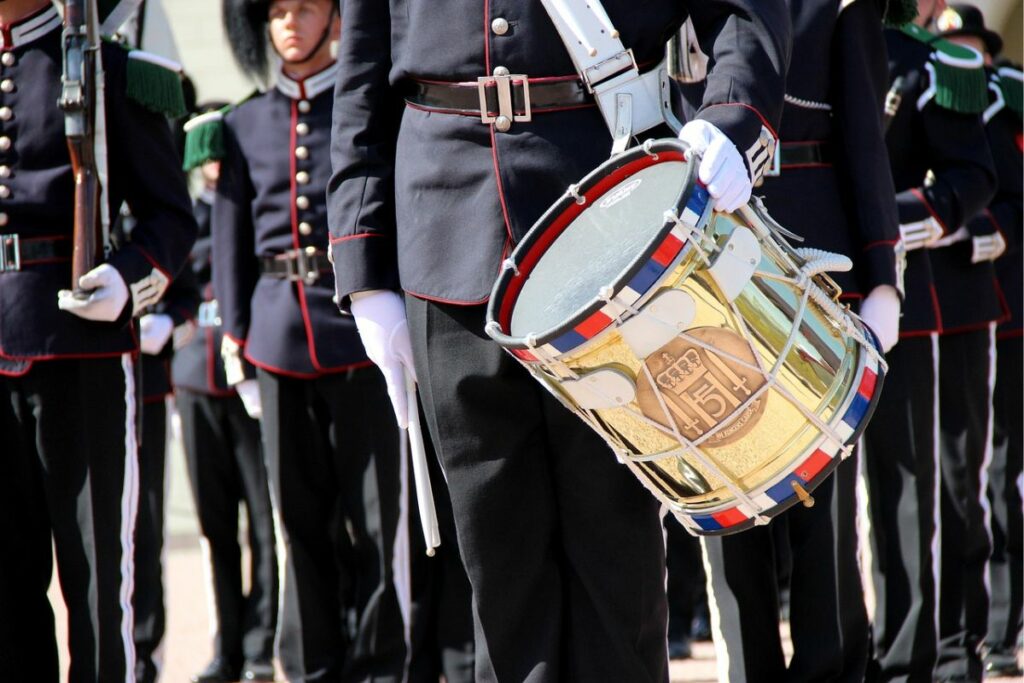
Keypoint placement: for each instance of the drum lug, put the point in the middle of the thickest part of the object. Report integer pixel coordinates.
(801, 493)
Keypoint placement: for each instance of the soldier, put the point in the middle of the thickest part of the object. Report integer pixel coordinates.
(68, 362)
(168, 323)
(225, 467)
(563, 547)
(998, 225)
(332, 451)
(943, 175)
(831, 185)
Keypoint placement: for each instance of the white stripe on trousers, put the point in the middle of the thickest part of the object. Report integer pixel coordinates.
(129, 509)
(723, 659)
(937, 485)
(401, 556)
(986, 460)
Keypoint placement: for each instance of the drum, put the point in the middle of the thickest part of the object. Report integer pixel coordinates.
(712, 356)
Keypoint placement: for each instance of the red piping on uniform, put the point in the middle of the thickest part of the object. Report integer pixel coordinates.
(339, 240)
(294, 192)
(497, 179)
(154, 262)
(920, 197)
(307, 375)
(935, 308)
(917, 333)
(440, 300)
(764, 121)
(881, 243)
(994, 222)
(851, 295)
(241, 343)
(487, 37)
(476, 115)
(1010, 334)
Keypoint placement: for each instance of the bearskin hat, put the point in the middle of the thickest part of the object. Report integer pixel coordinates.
(246, 24)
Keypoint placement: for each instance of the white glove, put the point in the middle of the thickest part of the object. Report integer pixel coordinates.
(721, 167)
(987, 247)
(107, 295)
(881, 312)
(920, 234)
(154, 331)
(380, 317)
(184, 334)
(249, 391)
(231, 354)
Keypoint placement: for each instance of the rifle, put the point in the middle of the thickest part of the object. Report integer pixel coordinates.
(78, 100)
(893, 100)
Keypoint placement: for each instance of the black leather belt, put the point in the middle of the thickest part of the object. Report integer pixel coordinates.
(296, 265)
(17, 251)
(526, 96)
(795, 154)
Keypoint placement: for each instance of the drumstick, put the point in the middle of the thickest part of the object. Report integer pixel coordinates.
(420, 473)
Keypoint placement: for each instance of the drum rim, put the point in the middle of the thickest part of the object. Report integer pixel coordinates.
(497, 301)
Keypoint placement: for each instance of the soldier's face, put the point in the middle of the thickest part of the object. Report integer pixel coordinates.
(297, 25)
(927, 10)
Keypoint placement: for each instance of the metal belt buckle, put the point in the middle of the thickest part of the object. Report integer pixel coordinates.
(305, 267)
(10, 253)
(502, 81)
(209, 314)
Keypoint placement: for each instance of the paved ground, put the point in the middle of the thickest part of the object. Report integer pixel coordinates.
(187, 646)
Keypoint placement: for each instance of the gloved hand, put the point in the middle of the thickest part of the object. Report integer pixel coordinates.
(231, 354)
(721, 167)
(249, 391)
(987, 247)
(380, 317)
(106, 299)
(184, 334)
(881, 312)
(154, 331)
(920, 234)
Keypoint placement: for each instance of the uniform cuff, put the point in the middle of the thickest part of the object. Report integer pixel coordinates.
(362, 262)
(749, 131)
(913, 208)
(877, 266)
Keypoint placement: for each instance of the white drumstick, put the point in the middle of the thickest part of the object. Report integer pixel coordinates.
(420, 473)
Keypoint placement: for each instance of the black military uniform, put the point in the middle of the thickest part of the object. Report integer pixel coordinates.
(562, 545)
(68, 410)
(332, 446)
(180, 304)
(831, 186)
(1006, 566)
(943, 173)
(225, 467)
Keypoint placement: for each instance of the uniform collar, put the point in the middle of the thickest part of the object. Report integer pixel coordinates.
(309, 87)
(30, 28)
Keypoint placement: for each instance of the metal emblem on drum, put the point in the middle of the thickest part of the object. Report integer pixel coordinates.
(701, 388)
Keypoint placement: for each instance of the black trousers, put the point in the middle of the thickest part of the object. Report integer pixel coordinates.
(1006, 566)
(900, 464)
(225, 468)
(828, 620)
(69, 474)
(333, 460)
(441, 619)
(148, 598)
(563, 547)
(965, 407)
(686, 591)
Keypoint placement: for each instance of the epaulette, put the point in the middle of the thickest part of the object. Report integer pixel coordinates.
(204, 138)
(958, 80)
(155, 83)
(1011, 82)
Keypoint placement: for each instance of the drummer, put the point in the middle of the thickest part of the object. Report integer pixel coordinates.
(562, 546)
(831, 185)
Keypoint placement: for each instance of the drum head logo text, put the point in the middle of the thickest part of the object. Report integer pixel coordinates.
(620, 193)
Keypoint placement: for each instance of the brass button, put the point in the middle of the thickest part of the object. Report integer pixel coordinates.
(501, 71)
(302, 202)
(5, 143)
(5, 171)
(302, 178)
(7, 85)
(3, 219)
(302, 128)
(305, 228)
(301, 153)
(6, 113)
(499, 26)
(502, 123)
(5, 192)
(304, 106)
(8, 59)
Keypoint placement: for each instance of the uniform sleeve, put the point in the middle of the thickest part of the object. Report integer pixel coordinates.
(860, 75)
(360, 193)
(181, 302)
(1005, 213)
(235, 270)
(748, 43)
(962, 178)
(147, 169)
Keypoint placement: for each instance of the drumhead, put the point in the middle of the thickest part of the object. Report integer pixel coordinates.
(598, 247)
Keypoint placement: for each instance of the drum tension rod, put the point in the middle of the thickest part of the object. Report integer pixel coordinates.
(801, 493)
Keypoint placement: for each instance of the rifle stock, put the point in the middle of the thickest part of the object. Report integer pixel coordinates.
(78, 100)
